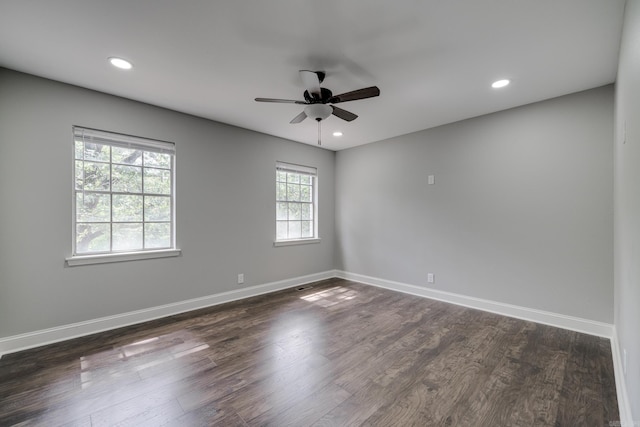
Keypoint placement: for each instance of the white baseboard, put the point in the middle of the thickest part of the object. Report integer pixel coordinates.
(624, 406)
(61, 333)
(47, 336)
(539, 316)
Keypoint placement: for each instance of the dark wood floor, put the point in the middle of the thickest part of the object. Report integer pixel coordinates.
(338, 353)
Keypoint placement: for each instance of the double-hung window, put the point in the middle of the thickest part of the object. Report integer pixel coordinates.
(124, 194)
(296, 203)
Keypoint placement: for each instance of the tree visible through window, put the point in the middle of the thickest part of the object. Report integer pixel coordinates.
(124, 193)
(296, 202)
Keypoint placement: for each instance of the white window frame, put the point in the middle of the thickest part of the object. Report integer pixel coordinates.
(313, 174)
(126, 141)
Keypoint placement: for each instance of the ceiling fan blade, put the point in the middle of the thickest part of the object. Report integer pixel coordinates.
(283, 101)
(300, 117)
(311, 81)
(343, 114)
(367, 92)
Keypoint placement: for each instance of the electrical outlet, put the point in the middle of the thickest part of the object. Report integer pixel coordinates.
(624, 361)
(431, 278)
(240, 278)
(431, 179)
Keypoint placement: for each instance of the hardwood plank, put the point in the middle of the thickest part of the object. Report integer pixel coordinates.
(582, 391)
(607, 379)
(280, 390)
(305, 411)
(208, 415)
(546, 367)
(150, 410)
(358, 408)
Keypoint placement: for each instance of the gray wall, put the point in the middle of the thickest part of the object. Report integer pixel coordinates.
(627, 202)
(225, 208)
(521, 211)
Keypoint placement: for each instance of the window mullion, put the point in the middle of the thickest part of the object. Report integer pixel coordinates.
(143, 199)
(110, 199)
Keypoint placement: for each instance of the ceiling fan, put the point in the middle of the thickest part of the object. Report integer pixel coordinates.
(317, 98)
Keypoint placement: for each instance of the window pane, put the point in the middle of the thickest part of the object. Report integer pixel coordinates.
(281, 229)
(281, 191)
(158, 160)
(293, 177)
(157, 235)
(305, 179)
(127, 208)
(79, 149)
(96, 176)
(305, 193)
(157, 208)
(126, 179)
(126, 156)
(294, 211)
(97, 152)
(306, 212)
(307, 228)
(281, 176)
(281, 211)
(127, 237)
(92, 207)
(294, 229)
(157, 181)
(293, 192)
(79, 169)
(92, 238)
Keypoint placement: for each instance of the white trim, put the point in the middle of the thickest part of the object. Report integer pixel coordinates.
(295, 242)
(291, 167)
(577, 324)
(61, 333)
(120, 257)
(624, 406)
(123, 140)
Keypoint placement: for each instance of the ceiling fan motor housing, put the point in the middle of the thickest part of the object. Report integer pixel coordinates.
(323, 97)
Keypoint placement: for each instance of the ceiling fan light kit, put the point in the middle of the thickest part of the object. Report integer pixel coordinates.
(317, 98)
(318, 111)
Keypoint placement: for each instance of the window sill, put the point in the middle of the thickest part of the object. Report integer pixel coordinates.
(295, 242)
(121, 257)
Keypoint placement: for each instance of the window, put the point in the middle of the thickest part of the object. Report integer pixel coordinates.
(296, 203)
(123, 194)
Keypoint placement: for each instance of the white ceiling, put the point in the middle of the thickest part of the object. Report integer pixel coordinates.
(433, 60)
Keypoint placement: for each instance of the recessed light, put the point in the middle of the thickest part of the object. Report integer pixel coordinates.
(500, 83)
(120, 63)
(337, 133)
